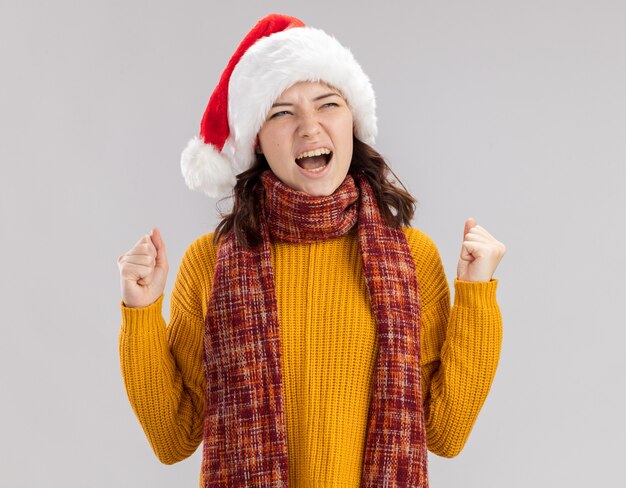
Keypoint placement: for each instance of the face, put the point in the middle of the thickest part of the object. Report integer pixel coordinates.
(307, 138)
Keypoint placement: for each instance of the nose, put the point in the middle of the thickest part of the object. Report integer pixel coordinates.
(309, 126)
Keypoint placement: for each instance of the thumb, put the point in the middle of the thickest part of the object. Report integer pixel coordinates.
(469, 223)
(466, 254)
(157, 240)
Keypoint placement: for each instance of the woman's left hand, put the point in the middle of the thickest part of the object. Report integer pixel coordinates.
(480, 253)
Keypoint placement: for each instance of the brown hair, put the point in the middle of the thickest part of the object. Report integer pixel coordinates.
(396, 205)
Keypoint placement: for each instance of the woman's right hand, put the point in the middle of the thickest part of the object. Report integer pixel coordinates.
(143, 271)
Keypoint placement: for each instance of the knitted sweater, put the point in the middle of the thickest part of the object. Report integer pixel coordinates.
(329, 347)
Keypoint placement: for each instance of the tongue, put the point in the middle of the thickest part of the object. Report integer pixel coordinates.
(312, 162)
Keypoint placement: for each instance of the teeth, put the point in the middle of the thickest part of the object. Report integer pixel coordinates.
(315, 152)
(316, 170)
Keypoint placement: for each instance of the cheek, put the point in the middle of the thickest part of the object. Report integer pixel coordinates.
(346, 128)
(347, 134)
(272, 140)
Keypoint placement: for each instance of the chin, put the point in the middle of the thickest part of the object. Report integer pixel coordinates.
(319, 190)
(317, 193)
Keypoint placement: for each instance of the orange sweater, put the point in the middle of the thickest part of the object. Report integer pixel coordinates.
(329, 347)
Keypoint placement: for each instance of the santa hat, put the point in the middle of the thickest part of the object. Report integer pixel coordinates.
(278, 52)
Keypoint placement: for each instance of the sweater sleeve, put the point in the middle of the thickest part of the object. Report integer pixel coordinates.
(460, 350)
(162, 366)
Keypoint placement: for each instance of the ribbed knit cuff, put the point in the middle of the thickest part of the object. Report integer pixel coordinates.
(475, 294)
(136, 320)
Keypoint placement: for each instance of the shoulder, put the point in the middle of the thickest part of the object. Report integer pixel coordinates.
(422, 246)
(201, 252)
(428, 265)
(195, 275)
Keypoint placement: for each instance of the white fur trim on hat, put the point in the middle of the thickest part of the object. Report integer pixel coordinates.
(206, 169)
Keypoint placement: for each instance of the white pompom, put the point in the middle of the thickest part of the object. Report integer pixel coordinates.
(206, 169)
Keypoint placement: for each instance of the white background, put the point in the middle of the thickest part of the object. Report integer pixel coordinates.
(510, 112)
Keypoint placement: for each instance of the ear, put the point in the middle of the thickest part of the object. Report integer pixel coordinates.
(257, 146)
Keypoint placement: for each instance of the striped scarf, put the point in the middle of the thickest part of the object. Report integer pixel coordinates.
(244, 433)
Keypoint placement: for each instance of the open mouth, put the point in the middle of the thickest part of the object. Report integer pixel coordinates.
(314, 164)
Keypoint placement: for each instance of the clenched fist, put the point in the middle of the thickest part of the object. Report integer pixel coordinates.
(480, 253)
(143, 271)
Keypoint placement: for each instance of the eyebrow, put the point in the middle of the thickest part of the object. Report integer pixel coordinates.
(326, 95)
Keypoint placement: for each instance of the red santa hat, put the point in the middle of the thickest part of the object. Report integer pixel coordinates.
(278, 52)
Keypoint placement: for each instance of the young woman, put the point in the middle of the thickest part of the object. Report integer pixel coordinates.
(311, 340)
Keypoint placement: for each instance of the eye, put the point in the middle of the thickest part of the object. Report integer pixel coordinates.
(330, 104)
(278, 114)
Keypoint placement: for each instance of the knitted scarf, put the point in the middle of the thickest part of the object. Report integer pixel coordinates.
(244, 433)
